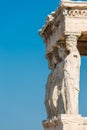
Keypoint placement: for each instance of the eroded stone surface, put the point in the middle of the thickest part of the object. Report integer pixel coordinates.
(62, 87)
(65, 35)
(66, 122)
(69, 18)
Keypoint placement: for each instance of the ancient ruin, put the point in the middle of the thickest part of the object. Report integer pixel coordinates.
(65, 37)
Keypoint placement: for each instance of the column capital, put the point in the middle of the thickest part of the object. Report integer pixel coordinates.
(78, 34)
(71, 39)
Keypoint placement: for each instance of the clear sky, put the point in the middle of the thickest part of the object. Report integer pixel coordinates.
(23, 67)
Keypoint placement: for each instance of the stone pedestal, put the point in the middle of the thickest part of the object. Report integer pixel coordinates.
(66, 122)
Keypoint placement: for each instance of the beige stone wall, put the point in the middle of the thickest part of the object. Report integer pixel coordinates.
(75, 24)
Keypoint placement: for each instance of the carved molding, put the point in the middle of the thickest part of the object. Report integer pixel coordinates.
(75, 13)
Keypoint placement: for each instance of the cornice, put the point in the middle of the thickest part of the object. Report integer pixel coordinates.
(55, 19)
(74, 4)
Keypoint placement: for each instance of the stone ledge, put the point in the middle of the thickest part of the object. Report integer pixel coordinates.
(65, 119)
(74, 4)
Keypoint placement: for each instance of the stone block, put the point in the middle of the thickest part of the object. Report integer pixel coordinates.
(66, 122)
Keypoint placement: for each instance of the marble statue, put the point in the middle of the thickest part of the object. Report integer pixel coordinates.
(71, 75)
(62, 87)
(65, 38)
(54, 99)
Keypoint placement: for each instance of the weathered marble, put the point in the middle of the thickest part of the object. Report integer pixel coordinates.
(69, 18)
(66, 122)
(72, 75)
(65, 37)
(62, 87)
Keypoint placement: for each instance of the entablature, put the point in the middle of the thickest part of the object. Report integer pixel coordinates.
(70, 18)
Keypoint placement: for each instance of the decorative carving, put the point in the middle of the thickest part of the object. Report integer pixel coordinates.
(75, 12)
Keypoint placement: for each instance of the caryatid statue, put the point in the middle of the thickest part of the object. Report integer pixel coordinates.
(62, 88)
(72, 75)
(62, 32)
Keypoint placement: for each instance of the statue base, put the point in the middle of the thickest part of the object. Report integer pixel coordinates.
(66, 122)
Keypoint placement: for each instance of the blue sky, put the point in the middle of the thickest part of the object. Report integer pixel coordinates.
(23, 67)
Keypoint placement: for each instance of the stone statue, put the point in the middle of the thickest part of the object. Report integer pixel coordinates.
(71, 75)
(64, 28)
(62, 87)
(55, 99)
